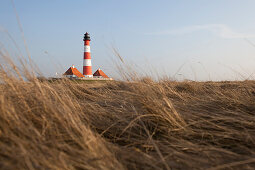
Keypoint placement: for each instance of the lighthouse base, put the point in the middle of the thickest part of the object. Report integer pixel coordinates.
(94, 78)
(88, 76)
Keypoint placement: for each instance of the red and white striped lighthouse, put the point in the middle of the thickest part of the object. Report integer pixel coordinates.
(87, 68)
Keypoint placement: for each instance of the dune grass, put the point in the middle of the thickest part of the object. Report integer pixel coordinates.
(139, 124)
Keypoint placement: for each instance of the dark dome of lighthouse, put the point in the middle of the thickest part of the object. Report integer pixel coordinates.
(86, 37)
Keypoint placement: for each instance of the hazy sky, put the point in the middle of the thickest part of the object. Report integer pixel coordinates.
(192, 39)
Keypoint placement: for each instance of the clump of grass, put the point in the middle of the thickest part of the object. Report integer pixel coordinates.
(139, 124)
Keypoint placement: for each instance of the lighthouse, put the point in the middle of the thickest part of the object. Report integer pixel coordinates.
(73, 73)
(87, 68)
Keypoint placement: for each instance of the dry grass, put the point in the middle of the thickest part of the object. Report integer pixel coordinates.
(125, 125)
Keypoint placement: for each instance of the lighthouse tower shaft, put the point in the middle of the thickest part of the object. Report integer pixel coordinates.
(87, 67)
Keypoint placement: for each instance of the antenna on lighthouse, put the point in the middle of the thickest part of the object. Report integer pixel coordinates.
(87, 67)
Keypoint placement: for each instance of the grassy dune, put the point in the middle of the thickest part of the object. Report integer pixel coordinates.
(126, 125)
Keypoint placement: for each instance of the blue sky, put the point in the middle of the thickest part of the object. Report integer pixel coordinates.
(187, 39)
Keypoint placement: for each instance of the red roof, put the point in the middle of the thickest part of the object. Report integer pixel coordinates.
(73, 71)
(99, 72)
